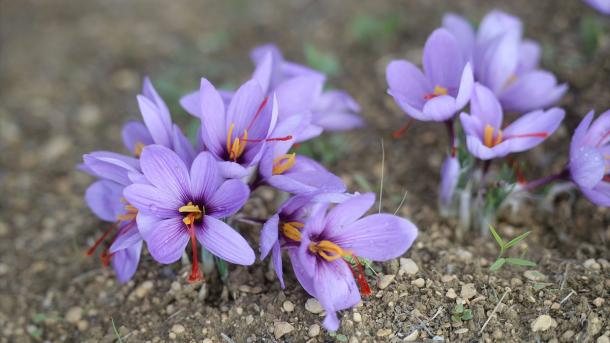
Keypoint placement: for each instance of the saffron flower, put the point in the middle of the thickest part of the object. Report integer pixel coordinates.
(236, 137)
(603, 6)
(590, 158)
(487, 138)
(327, 239)
(291, 173)
(450, 175)
(505, 62)
(442, 89)
(176, 205)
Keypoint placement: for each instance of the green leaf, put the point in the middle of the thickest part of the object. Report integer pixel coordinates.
(467, 314)
(520, 262)
(540, 285)
(456, 318)
(496, 236)
(517, 239)
(458, 309)
(497, 265)
(341, 338)
(223, 269)
(39, 318)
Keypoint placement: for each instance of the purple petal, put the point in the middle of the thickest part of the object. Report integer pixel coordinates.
(154, 121)
(587, 167)
(450, 173)
(346, 213)
(213, 122)
(495, 61)
(243, 112)
(307, 182)
(146, 223)
(443, 60)
(269, 235)
(152, 201)
(224, 242)
(529, 56)
(264, 71)
(298, 94)
(602, 6)
(111, 166)
(336, 111)
(480, 151)
(578, 139)
(300, 272)
(497, 23)
(538, 122)
(378, 237)
(167, 241)
(134, 133)
(599, 131)
(599, 195)
(205, 177)
(166, 171)
(232, 170)
(339, 121)
(440, 108)
(472, 125)
(463, 32)
(228, 199)
(182, 146)
(103, 198)
(276, 257)
(149, 91)
(486, 107)
(532, 91)
(128, 236)
(191, 103)
(125, 262)
(407, 84)
(311, 131)
(466, 85)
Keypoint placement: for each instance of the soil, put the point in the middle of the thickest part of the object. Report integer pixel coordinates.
(69, 73)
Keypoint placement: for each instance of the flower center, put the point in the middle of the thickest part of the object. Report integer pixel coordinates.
(193, 212)
(438, 91)
(291, 230)
(488, 136)
(283, 163)
(137, 150)
(328, 250)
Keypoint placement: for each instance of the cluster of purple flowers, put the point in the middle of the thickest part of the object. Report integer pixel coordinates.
(496, 71)
(170, 193)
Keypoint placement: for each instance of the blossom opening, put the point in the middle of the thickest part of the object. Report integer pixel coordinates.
(236, 147)
(137, 150)
(194, 213)
(283, 163)
(438, 91)
(291, 230)
(328, 250)
(488, 136)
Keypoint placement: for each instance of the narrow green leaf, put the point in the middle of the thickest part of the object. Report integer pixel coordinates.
(467, 315)
(458, 309)
(520, 262)
(456, 319)
(223, 269)
(497, 265)
(540, 285)
(517, 239)
(496, 236)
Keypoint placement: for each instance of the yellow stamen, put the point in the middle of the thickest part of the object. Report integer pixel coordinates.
(438, 90)
(130, 214)
(195, 213)
(511, 80)
(291, 230)
(283, 163)
(236, 147)
(137, 150)
(488, 136)
(328, 250)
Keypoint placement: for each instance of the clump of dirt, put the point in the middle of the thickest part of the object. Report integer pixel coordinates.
(70, 72)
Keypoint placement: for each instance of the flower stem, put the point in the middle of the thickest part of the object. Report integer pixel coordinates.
(564, 174)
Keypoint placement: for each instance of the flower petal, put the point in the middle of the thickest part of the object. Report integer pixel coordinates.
(153, 118)
(166, 171)
(298, 94)
(243, 109)
(152, 201)
(224, 242)
(599, 195)
(443, 59)
(440, 108)
(497, 23)
(269, 235)
(182, 146)
(587, 167)
(213, 121)
(205, 177)
(450, 173)
(463, 32)
(531, 91)
(228, 199)
(486, 107)
(578, 139)
(264, 71)
(111, 166)
(300, 272)
(103, 198)
(128, 235)
(346, 213)
(408, 82)
(466, 85)
(191, 103)
(536, 122)
(529, 56)
(167, 241)
(134, 133)
(495, 61)
(276, 257)
(125, 262)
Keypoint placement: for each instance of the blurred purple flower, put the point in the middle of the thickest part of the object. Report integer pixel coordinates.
(328, 238)
(450, 174)
(442, 89)
(506, 63)
(485, 137)
(175, 206)
(590, 158)
(603, 6)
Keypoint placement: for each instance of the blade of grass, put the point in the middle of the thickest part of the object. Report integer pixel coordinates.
(517, 239)
(497, 238)
(520, 262)
(116, 332)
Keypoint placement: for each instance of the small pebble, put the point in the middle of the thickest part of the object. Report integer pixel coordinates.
(385, 281)
(249, 319)
(314, 330)
(408, 266)
(447, 278)
(468, 291)
(357, 317)
(603, 339)
(591, 264)
(412, 336)
(461, 331)
(384, 332)
(312, 305)
(74, 314)
(282, 328)
(419, 283)
(178, 329)
(555, 306)
(542, 323)
(598, 302)
(288, 306)
(534, 275)
(451, 294)
(143, 289)
(82, 325)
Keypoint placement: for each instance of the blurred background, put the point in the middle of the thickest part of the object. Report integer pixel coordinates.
(70, 72)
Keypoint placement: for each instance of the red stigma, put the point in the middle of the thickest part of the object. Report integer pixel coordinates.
(365, 289)
(606, 178)
(453, 151)
(100, 240)
(518, 173)
(196, 274)
(398, 133)
(529, 135)
(258, 112)
(273, 139)
(430, 96)
(601, 140)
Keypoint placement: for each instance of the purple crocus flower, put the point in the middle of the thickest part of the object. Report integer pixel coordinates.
(237, 136)
(175, 206)
(450, 174)
(486, 138)
(442, 89)
(590, 158)
(283, 229)
(328, 238)
(291, 173)
(603, 6)
(506, 63)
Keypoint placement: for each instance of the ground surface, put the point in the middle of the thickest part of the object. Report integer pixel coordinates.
(69, 72)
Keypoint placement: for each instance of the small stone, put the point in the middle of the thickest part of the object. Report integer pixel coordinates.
(497, 334)
(567, 336)
(555, 306)
(248, 289)
(534, 275)
(312, 305)
(412, 337)
(603, 339)
(172, 335)
(288, 306)
(592, 264)
(314, 330)
(515, 282)
(385, 281)
(419, 283)
(143, 289)
(468, 291)
(598, 302)
(447, 278)
(461, 331)
(408, 266)
(451, 293)
(74, 314)
(82, 325)
(282, 328)
(384, 332)
(464, 255)
(542, 323)
(594, 326)
(357, 317)
(207, 340)
(178, 329)
(249, 319)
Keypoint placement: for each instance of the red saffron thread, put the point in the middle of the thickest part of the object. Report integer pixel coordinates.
(398, 133)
